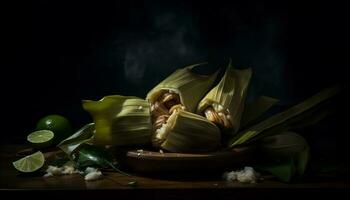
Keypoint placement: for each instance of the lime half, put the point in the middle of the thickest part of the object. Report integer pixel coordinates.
(41, 139)
(30, 163)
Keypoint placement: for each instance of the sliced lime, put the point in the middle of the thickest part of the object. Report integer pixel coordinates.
(30, 163)
(41, 139)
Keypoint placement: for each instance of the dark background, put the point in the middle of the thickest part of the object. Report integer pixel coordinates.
(58, 53)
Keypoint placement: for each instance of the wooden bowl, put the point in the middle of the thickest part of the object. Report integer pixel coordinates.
(151, 161)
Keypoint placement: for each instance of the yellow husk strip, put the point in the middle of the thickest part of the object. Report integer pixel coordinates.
(120, 120)
(229, 93)
(191, 87)
(190, 132)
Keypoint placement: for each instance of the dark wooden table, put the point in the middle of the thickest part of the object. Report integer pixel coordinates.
(159, 186)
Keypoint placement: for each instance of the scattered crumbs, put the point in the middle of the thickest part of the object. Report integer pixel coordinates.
(53, 170)
(247, 175)
(57, 171)
(161, 151)
(92, 176)
(69, 170)
(90, 173)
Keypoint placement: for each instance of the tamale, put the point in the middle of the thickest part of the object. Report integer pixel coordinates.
(120, 120)
(224, 104)
(184, 87)
(187, 132)
(182, 90)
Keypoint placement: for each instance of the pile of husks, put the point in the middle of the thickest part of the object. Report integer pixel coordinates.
(186, 112)
(183, 113)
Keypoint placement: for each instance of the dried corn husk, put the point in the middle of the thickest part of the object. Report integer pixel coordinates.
(120, 120)
(256, 108)
(189, 86)
(299, 115)
(187, 132)
(224, 104)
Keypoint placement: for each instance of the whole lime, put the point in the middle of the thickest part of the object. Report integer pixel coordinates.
(58, 124)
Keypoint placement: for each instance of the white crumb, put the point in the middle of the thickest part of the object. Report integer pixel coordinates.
(140, 107)
(161, 151)
(140, 150)
(69, 170)
(247, 175)
(90, 173)
(55, 171)
(92, 176)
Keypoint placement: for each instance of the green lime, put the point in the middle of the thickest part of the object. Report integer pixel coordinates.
(30, 163)
(41, 139)
(58, 124)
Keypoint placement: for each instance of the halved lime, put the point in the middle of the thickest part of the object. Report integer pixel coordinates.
(41, 139)
(30, 163)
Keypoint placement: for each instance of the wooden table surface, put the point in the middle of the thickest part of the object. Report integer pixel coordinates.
(173, 184)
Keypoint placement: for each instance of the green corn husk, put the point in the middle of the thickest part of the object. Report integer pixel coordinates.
(256, 108)
(120, 120)
(188, 132)
(230, 93)
(191, 87)
(284, 155)
(305, 113)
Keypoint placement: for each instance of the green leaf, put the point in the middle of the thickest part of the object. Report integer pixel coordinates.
(72, 143)
(286, 144)
(302, 160)
(283, 170)
(95, 156)
(285, 120)
(284, 155)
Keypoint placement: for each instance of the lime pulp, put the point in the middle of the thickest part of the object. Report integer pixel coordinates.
(42, 138)
(30, 163)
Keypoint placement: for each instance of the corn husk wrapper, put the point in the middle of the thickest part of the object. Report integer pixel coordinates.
(303, 114)
(120, 120)
(191, 87)
(230, 93)
(188, 132)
